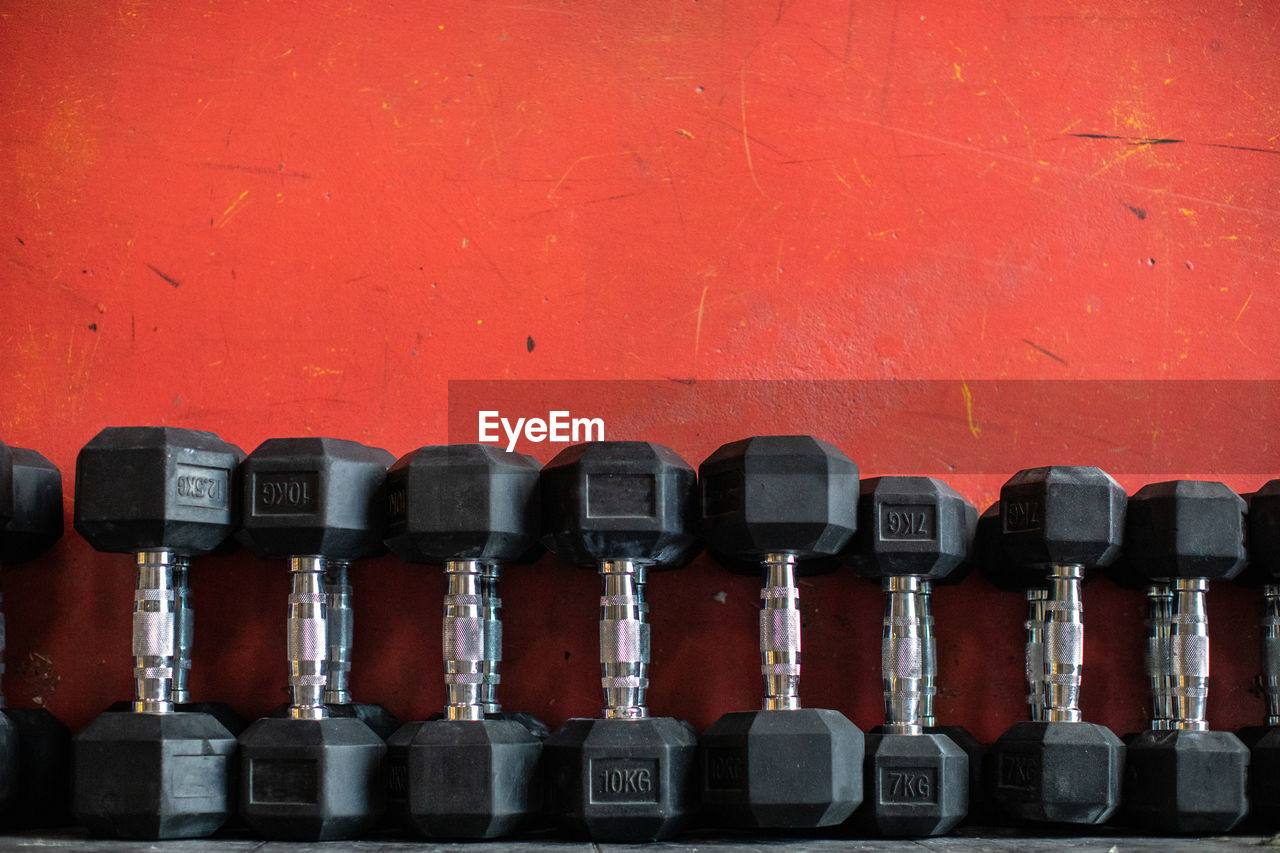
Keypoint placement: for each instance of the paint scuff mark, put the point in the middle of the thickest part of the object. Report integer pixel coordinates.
(528, 343)
(1035, 346)
(1132, 140)
(173, 281)
(1139, 212)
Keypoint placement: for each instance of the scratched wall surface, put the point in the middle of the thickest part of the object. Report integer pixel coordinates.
(293, 218)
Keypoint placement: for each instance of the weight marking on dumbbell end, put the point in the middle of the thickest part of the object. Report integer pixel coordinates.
(725, 770)
(908, 522)
(624, 780)
(198, 485)
(285, 492)
(908, 785)
(1019, 772)
(283, 781)
(1024, 516)
(397, 506)
(621, 495)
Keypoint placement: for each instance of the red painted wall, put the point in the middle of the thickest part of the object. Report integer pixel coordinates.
(290, 218)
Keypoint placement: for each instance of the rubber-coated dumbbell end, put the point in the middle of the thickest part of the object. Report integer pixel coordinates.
(471, 639)
(624, 640)
(780, 633)
(307, 638)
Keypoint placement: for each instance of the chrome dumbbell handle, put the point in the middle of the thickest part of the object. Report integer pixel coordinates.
(624, 640)
(307, 637)
(471, 639)
(184, 628)
(902, 656)
(155, 656)
(1159, 613)
(1271, 651)
(1036, 599)
(780, 633)
(1188, 676)
(1063, 644)
(339, 630)
(929, 645)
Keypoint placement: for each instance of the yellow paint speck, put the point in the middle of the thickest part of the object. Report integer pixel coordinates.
(683, 132)
(974, 429)
(956, 67)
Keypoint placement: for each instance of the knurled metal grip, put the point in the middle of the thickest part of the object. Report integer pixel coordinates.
(902, 656)
(184, 628)
(340, 627)
(1188, 675)
(1271, 651)
(1159, 611)
(471, 639)
(1063, 644)
(154, 647)
(780, 634)
(624, 640)
(307, 638)
(929, 643)
(1036, 598)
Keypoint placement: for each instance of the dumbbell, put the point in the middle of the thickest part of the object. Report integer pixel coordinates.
(787, 503)
(624, 508)
(312, 776)
(1179, 776)
(163, 495)
(911, 531)
(471, 508)
(1264, 568)
(30, 522)
(1056, 522)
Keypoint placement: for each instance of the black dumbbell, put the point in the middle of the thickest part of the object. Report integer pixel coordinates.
(1179, 776)
(471, 508)
(623, 508)
(312, 776)
(789, 504)
(43, 741)
(1056, 522)
(911, 531)
(1264, 569)
(163, 495)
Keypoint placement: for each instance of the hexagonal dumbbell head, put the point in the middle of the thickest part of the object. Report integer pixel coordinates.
(621, 780)
(1186, 529)
(1058, 772)
(1264, 532)
(1186, 781)
(988, 550)
(778, 494)
(314, 496)
(156, 488)
(911, 526)
(153, 776)
(1064, 515)
(619, 500)
(463, 502)
(312, 780)
(783, 769)
(37, 507)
